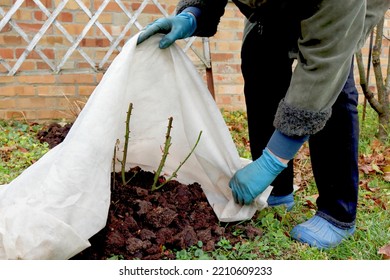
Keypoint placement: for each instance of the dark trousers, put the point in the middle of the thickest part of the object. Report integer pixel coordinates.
(267, 70)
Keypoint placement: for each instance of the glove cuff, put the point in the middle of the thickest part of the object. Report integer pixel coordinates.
(285, 146)
(193, 10)
(271, 162)
(191, 20)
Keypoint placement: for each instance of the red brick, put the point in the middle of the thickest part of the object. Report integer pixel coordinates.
(226, 68)
(6, 28)
(31, 3)
(22, 15)
(30, 27)
(230, 89)
(231, 79)
(52, 40)
(8, 91)
(41, 65)
(95, 42)
(225, 57)
(54, 90)
(71, 102)
(107, 18)
(226, 35)
(7, 79)
(99, 77)
(83, 65)
(3, 70)
(16, 90)
(171, 9)
(34, 55)
(31, 55)
(76, 78)
(86, 90)
(17, 115)
(36, 103)
(7, 103)
(37, 79)
(149, 9)
(112, 7)
(224, 99)
(101, 54)
(49, 53)
(7, 3)
(6, 53)
(12, 40)
(65, 17)
(76, 29)
(39, 15)
(27, 66)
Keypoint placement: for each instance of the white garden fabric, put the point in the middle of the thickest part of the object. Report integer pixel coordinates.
(53, 208)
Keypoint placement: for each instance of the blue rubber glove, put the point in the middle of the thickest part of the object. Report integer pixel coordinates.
(180, 26)
(250, 181)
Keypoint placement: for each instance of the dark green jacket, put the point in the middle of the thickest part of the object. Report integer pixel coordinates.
(330, 33)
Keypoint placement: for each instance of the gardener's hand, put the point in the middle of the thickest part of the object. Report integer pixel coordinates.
(254, 178)
(180, 26)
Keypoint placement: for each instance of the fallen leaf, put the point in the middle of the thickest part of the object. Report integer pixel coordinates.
(386, 171)
(380, 203)
(310, 201)
(364, 185)
(386, 177)
(376, 145)
(23, 150)
(7, 148)
(385, 251)
(376, 168)
(366, 168)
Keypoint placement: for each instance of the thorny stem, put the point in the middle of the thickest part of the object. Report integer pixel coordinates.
(164, 157)
(113, 162)
(125, 147)
(167, 145)
(174, 174)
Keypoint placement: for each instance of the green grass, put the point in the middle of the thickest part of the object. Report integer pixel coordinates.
(19, 148)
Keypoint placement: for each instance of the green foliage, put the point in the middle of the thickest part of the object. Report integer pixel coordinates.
(19, 148)
(115, 257)
(238, 127)
(223, 251)
(194, 252)
(369, 128)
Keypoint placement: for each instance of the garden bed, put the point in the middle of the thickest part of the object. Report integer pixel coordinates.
(145, 224)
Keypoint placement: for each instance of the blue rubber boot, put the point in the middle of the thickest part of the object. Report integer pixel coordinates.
(286, 200)
(318, 232)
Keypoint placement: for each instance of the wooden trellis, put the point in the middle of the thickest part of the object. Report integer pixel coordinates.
(57, 67)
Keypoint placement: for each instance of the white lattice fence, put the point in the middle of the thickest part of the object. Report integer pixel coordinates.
(64, 35)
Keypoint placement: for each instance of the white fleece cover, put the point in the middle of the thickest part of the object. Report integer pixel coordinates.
(52, 209)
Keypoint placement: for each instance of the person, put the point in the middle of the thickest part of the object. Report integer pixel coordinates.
(315, 101)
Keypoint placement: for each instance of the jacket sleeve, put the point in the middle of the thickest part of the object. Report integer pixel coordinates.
(211, 12)
(329, 39)
(375, 11)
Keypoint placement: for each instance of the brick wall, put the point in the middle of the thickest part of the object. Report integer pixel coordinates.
(38, 92)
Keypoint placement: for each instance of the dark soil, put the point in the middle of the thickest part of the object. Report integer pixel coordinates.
(145, 224)
(54, 134)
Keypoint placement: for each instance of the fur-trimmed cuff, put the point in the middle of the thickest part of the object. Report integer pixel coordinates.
(299, 122)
